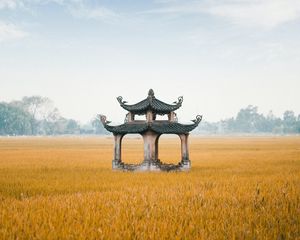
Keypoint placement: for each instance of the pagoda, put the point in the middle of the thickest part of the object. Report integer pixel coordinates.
(151, 130)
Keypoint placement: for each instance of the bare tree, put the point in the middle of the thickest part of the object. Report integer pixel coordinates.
(39, 108)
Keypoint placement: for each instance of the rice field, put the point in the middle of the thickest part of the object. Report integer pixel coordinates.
(64, 188)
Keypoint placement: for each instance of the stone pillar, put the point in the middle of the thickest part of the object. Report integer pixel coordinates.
(149, 116)
(117, 151)
(156, 147)
(171, 116)
(130, 117)
(185, 159)
(149, 162)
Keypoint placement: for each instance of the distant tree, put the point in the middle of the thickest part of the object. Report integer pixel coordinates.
(44, 117)
(298, 124)
(271, 122)
(207, 127)
(14, 120)
(274, 124)
(263, 124)
(39, 109)
(72, 127)
(87, 128)
(51, 123)
(248, 120)
(228, 125)
(289, 122)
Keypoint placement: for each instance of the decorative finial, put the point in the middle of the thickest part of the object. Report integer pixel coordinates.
(151, 93)
(120, 100)
(198, 119)
(180, 100)
(102, 119)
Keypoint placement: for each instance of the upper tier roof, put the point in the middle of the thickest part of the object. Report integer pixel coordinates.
(155, 126)
(150, 103)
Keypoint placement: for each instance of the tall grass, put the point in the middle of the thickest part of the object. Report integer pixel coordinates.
(64, 188)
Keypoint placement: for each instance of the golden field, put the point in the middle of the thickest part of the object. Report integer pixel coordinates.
(64, 188)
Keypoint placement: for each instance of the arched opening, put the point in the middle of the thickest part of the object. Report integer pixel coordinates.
(161, 117)
(169, 148)
(132, 149)
(141, 117)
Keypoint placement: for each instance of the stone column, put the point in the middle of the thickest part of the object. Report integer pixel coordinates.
(130, 117)
(185, 159)
(156, 147)
(171, 116)
(149, 138)
(117, 151)
(149, 116)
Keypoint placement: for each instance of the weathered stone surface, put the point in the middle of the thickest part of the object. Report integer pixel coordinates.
(153, 166)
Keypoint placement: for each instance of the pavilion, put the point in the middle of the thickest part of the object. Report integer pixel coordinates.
(151, 130)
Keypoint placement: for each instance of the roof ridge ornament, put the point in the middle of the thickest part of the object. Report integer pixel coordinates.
(151, 93)
(103, 119)
(198, 119)
(180, 100)
(120, 100)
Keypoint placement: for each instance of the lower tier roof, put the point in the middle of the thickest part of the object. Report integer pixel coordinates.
(161, 127)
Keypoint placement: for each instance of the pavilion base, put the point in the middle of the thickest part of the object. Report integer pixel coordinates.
(153, 166)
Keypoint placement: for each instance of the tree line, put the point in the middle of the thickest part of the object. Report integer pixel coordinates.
(36, 115)
(249, 120)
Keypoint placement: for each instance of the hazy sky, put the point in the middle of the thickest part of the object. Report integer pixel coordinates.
(221, 55)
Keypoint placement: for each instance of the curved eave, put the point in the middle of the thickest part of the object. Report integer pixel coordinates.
(127, 128)
(154, 104)
(163, 108)
(173, 128)
(158, 127)
(137, 108)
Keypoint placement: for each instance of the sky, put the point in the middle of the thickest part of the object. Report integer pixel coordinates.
(220, 55)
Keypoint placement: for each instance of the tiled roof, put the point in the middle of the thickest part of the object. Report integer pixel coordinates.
(127, 128)
(150, 103)
(156, 126)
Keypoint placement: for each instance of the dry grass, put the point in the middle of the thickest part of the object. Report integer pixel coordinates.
(63, 188)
